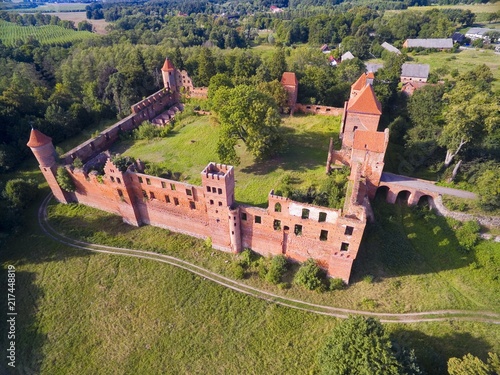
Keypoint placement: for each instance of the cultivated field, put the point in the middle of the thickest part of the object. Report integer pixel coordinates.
(11, 34)
(77, 17)
(194, 141)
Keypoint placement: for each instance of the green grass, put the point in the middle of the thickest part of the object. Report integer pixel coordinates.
(413, 257)
(474, 8)
(192, 147)
(83, 313)
(463, 61)
(12, 34)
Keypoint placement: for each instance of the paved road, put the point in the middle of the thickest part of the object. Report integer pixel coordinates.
(425, 186)
(418, 317)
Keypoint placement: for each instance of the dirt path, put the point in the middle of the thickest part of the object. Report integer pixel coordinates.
(418, 317)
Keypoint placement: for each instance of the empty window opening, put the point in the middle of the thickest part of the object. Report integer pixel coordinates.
(298, 230)
(151, 195)
(172, 186)
(258, 219)
(355, 128)
(243, 216)
(344, 246)
(322, 217)
(118, 180)
(112, 179)
(211, 201)
(189, 192)
(209, 189)
(176, 201)
(120, 193)
(348, 230)
(163, 184)
(220, 203)
(305, 213)
(323, 236)
(277, 224)
(148, 181)
(140, 180)
(167, 199)
(192, 205)
(277, 207)
(214, 190)
(219, 191)
(144, 194)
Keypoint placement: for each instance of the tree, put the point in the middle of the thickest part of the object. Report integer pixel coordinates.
(248, 115)
(275, 90)
(358, 346)
(217, 81)
(206, 67)
(20, 192)
(309, 275)
(488, 187)
(84, 26)
(277, 63)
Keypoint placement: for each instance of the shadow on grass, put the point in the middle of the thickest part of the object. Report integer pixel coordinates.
(305, 150)
(407, 241)
(434, 351)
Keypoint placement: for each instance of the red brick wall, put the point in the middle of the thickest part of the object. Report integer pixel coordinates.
(318, 109)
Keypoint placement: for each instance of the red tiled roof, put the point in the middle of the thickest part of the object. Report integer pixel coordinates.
(37, 138)
(168, 65)
(289, 79)
(368, 140)
(361, 82)
(365, 102)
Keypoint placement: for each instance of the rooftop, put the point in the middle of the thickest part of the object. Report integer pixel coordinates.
(363, 80)
(365, 102)
(390, 48)
(289, 79)
(429, 43)
(37, 139)
(168, 65)
(368, 140)
(415, 70)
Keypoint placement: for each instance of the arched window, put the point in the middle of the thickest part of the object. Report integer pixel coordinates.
(277, 207)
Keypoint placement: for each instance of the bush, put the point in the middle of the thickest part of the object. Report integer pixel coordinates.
(247, 258)
(237, 271)
(149, 131)
(335, 284)
(64, 180)
(122, 162)
(77, 163)
(20, 192)
(468, 234)
(277, 269)
(309, 276)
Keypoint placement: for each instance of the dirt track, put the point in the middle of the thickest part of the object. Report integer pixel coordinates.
(425, 316)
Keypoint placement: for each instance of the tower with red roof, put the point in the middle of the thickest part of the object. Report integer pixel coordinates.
(168, 73)
(44, 151)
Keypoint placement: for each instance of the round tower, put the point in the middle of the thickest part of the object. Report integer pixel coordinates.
(168, 74)
(234, 229)
(43, 149)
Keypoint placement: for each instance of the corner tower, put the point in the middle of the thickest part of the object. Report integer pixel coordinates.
(44, 151)
(168, 74)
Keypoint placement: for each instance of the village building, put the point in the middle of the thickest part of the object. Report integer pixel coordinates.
(347, 56)
(479, 33)
(390, 48)
(414, 72)
(435, 43)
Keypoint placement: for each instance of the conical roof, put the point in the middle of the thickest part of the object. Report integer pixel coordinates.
(365, 102)
(168, 66)
(37, 139)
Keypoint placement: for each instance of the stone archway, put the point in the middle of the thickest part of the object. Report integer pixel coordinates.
(382, 193)
(403, 197)
(426, 201)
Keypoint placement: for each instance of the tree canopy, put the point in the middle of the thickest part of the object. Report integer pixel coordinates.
(250, 116)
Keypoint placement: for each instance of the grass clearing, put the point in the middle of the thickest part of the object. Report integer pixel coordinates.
(193, 142)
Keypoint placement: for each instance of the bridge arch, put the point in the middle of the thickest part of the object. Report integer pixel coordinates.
(404, 196)
(382, 193)
(426, 200)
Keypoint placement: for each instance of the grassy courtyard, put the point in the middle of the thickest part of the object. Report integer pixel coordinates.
(192, 146)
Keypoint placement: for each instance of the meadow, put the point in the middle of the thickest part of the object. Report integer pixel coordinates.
(12, 34)
(192, 146)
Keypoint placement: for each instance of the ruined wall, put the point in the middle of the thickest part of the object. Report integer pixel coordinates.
(361, 121)
(198, 92)
(318, 109)
(146, 109)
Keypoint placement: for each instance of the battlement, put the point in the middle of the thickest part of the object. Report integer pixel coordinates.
(218, 171)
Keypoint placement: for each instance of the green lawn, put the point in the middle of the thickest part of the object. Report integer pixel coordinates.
(463, 61)
(192, 147)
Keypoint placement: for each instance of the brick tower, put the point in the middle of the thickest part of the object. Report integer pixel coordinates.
(44, 151)
(168, 73)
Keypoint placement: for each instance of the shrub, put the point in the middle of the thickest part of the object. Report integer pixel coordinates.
(20, 192)
(64, 180)
(309, 276)
(368, 279)
(149, 131)
(237, 271)
(247, 258)
(277, 269)
(335, 284)
(77, 163)
(122, 162)
(468, 234)
(208, 243)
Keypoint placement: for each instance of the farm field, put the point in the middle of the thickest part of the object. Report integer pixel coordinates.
(77, 17)
(474, 8)
(60, 7)
(10, 34)
(192, 147)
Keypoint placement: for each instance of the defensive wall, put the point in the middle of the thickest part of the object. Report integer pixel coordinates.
(318, 109)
